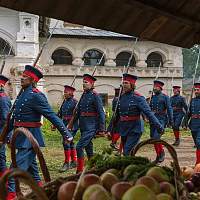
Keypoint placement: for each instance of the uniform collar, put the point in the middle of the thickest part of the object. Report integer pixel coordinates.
(87, 91)
(129, 92)
(28, 88)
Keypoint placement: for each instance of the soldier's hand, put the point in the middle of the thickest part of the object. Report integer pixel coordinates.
(109, 136)
(100, 134)
(161, 131)
(69, 127)
(7, 142)
(53, 128)
(68, 140)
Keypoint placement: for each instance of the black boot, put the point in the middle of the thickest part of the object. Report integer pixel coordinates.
(156, 160)
(64, 168)
(161, 157)
(73, 164)
(177, 142)
(114, 146)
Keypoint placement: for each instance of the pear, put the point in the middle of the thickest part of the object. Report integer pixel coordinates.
(150, 182)
(159, 174)
(163, 196)
(93, 189)
(86, 181)
(66, 190)
(100, 195)
(113, 171)
(119, 189)
(139, 192)
(108, 180)
(129, 170)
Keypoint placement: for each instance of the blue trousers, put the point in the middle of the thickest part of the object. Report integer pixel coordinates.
(26, 160)
(196, 138)
(177, 120)
(154, 132)
(85, 142)
(70, 145)
(3, 158)
(130, 141)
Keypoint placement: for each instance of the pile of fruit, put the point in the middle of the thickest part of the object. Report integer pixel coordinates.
(156, 184)
(123, 178)
(192, 181)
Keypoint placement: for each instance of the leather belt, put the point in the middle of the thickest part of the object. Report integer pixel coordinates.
(88, 114)
(129, 118)
(177, 109)
(195, 116)
(160, 112)
(67, 117)
(28, 124)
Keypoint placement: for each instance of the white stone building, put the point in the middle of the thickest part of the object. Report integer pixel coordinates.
(76, 50)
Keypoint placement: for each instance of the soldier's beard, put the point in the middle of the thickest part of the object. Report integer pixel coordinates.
(197, 95)
(156, 91)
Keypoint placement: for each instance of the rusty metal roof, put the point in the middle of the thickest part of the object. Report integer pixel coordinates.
(175, 22)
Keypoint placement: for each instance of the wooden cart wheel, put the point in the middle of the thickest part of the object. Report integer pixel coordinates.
(36, 149)
(25, 178)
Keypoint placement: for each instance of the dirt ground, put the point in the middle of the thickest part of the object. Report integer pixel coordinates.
(186, 152)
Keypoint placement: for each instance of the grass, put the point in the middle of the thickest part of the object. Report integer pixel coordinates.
(53, 152)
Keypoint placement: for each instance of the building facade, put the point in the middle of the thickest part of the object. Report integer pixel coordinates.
(75, 50)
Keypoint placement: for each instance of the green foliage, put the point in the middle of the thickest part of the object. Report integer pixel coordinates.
(189, 61)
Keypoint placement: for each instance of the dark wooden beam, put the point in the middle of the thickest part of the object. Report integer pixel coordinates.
(162, 11)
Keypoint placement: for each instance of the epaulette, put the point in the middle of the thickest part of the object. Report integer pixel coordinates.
(36, 90)
(75, 99)
(165, 94)
(2, 94)
(95, 92)
(137, 93)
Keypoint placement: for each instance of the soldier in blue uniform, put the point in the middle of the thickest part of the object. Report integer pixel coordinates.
(131, 106)
(114, 129)
(180, 108)
(29, 107)
(91, 116)
(65, 113)
(194, 118)
(5, 105)
(161, 106)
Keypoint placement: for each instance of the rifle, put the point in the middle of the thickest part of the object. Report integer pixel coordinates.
(4, 59)
(71, 122)
(185, 120)
(3, 65)
(125, 70)
(4, 133)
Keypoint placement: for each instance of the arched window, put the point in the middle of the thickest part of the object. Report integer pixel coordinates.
(154, 60)
(62, 56)
(5, 48)
(122, 59)
(92, 57)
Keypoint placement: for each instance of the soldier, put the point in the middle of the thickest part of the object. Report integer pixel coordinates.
(130, 108)
(66, 112)
(29, 107)
(160, 105)
(5, 105)
(91, 116)
(179, 106)
(115, 129)
(194, 117)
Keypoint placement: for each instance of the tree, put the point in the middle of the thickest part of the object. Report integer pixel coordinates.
(189, 62)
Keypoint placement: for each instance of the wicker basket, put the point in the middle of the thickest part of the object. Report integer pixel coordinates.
(175, 164)
(18, 174)
(51, 188)
(24, 177)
